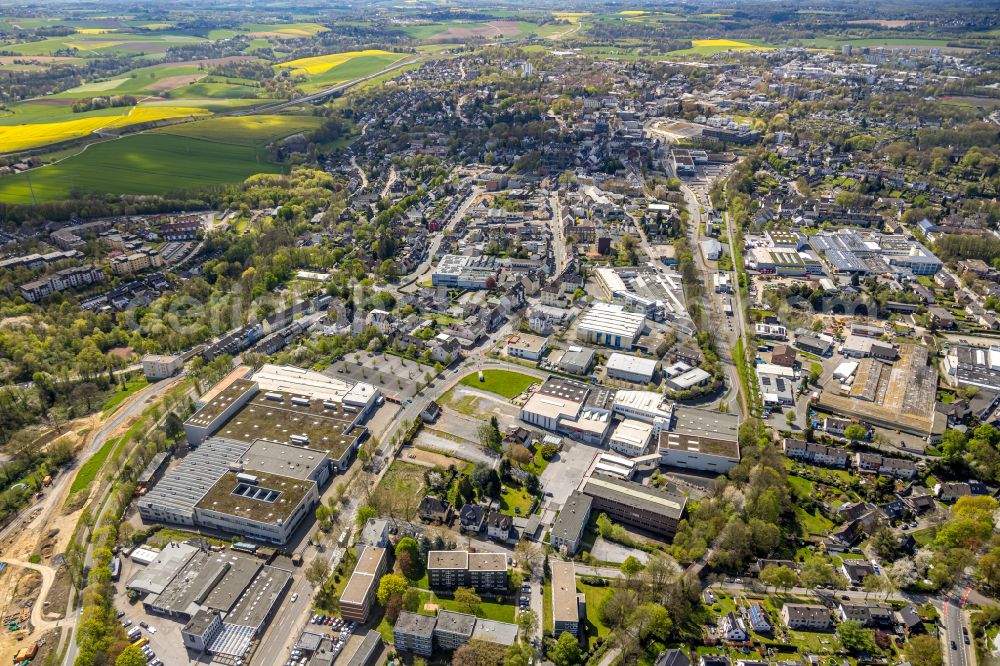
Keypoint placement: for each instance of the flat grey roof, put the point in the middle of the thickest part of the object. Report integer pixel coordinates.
(155, 577)
(487, 562)
(414, 624)
(256, 602)
(572, 518)
(492, 631)
(448, 559)
(455, 623)
(628, 493)
(182, 488)
(705, 423)
(240, 571)
(191, 584)
(283, 459)
(564, 606)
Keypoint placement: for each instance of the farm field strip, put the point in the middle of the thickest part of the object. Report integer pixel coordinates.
(324, 63)
(22, 137)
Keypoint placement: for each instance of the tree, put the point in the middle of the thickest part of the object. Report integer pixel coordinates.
(389, 585)
(873, 584)
(855, 432)
(884, 544)
(855, 638)
(411, 600)
(527, 620)
(365, 514)
(779, 577)
(317, 572)
(133, 656)
(530, 555)
(631, 566)
(566, 651)
(467, 597)
(490, 437)
(923, 651)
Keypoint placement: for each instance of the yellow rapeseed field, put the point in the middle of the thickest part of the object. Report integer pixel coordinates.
(632, 12)
(324, 63)
(727, 43)
(95, 31)
(570, 17)
(21, 137)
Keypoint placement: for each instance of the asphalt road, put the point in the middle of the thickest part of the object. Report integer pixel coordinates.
(132, 408)
(951, 618)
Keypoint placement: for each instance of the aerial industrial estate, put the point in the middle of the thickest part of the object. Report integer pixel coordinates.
(409, 333)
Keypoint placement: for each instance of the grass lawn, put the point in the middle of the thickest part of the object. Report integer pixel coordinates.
(539, 464)
(801, 487)
(402, 478)
(490, 610)
(515, 501)
(502, 382)
(813, 523)
(131, 386)
(140, 164)
(467, 404)
(547, 625)
(166, 535)
(88, 470)
(595, 599)
(924, 536)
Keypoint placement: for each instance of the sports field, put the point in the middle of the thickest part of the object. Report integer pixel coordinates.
(22, 137)
(150, 163)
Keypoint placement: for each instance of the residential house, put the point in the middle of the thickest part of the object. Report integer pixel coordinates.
(499, 526)
(805, 617)
(434, 509)
(732, 627)
(472, 518)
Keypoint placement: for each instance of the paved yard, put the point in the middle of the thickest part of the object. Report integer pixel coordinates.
(606, 551)
(566, 470)
(468, 451)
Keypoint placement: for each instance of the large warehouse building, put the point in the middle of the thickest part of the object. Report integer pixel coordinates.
(610, 325)
(265, 446)
(259, 491)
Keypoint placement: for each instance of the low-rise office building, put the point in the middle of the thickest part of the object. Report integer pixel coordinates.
(698, 452)
(161, 366)
(634, 504)
(529, 347)
(631, 438)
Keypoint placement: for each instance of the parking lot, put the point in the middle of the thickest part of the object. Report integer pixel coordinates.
(163, 634)
(394, 375)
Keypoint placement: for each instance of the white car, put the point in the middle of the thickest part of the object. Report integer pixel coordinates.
(295, 597)
(151, 629)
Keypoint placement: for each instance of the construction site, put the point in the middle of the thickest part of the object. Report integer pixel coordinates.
(36, 589)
